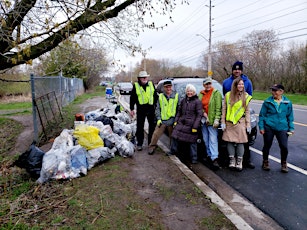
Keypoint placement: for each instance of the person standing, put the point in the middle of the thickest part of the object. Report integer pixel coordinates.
(237, 71)
(144, 96)
(276, 119)
(212, 108)
(236, 122)
(187, 122)
(165, 114)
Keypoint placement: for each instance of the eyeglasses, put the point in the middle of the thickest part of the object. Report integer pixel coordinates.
(274, 90)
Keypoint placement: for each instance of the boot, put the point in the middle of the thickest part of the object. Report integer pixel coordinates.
(265, 165)
(239, 164)
(232, 162)
(284, 167)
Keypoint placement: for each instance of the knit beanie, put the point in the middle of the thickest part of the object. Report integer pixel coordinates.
(238, 65)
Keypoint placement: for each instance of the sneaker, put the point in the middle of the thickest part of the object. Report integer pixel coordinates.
(239, 164)
(215, 164)
(232, 162)
(265, 165)
(249, 165)
(284, 167)
(151, 151)
(139, 148)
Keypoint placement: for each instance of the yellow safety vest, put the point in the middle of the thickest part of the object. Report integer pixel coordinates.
(145, 97)
(168, 107)
(235, 112)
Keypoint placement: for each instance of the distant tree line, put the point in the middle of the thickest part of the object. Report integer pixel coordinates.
(265, 62)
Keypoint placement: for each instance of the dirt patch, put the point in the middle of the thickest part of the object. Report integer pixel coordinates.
(141, 192)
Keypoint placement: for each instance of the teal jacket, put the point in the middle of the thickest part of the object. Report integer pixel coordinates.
(279, 118)
(215, 105)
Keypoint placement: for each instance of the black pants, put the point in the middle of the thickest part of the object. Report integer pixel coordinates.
(140, 122)
(247, 154)
(282, 138)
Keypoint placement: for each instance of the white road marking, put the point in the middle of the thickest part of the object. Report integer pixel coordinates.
(300, 170)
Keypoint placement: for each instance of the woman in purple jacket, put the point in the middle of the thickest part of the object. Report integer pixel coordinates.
(187, 122)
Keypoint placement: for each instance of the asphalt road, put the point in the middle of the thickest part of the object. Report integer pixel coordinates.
(281, 196)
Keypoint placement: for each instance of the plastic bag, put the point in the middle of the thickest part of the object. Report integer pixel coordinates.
(98, 155)
(88, 137)
(31, 160)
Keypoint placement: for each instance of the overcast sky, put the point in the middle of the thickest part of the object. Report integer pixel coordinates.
(231, 21)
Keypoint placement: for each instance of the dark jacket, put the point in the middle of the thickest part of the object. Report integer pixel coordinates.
(188, 117)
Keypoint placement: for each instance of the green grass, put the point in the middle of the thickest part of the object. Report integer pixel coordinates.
(16, 105)
(297, 99)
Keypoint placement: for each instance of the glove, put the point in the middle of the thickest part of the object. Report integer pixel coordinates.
(175, 123)
(223, 126)
(132, 113)
(159, 123)
(194, 130)
(248, 129)
(290, 133)
(216, 123)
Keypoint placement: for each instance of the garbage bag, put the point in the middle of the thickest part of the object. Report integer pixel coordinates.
(31, 160)
(105, 120)
(57, 161)
(98, 155)
(88, 137)
(79, 163)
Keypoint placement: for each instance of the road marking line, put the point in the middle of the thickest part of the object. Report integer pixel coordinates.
(303, 171)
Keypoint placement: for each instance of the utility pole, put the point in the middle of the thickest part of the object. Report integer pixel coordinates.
(210, 73)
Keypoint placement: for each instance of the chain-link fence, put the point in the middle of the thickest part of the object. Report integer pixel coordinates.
(49, 95)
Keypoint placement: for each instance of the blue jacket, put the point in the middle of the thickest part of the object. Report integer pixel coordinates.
(247, 84)
(279, 118)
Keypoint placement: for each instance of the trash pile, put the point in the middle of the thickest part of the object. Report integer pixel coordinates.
(101, 135)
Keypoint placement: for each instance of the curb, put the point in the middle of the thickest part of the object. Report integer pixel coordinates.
(236, 219)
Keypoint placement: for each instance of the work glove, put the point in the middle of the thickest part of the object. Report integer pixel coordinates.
(159, 123)
(223, 126)
(290, 133)
(194, 130)
(216, 123)
(248, 129)
(175, 123)
(132, 113)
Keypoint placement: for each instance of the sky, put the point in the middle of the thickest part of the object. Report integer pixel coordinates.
(231, 20)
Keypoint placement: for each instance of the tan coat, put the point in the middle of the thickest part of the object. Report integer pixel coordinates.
(236, 133)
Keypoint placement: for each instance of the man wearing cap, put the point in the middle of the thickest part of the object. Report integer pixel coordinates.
(237, 71)
(276, 119)
(144, 96)
(166, 110)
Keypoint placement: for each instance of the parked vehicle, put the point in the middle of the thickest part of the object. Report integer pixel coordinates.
(179, 85)
(125, 88)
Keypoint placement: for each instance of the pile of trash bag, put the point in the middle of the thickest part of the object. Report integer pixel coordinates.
(103, 134)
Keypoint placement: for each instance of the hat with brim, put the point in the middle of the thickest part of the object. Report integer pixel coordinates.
(167, 83)
(143, 74)
(207, 80)
(277, 87)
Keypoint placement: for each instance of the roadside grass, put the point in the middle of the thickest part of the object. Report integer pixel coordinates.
(297, 99)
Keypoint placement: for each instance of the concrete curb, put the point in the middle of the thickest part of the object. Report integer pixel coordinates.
(242, 213)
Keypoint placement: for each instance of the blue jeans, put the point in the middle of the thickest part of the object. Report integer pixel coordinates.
(211, 141)
(282, 138)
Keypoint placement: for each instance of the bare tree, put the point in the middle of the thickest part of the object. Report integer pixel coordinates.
(30, 28)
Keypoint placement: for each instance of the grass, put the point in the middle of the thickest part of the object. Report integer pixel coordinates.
(10, 129)
(297, 99)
